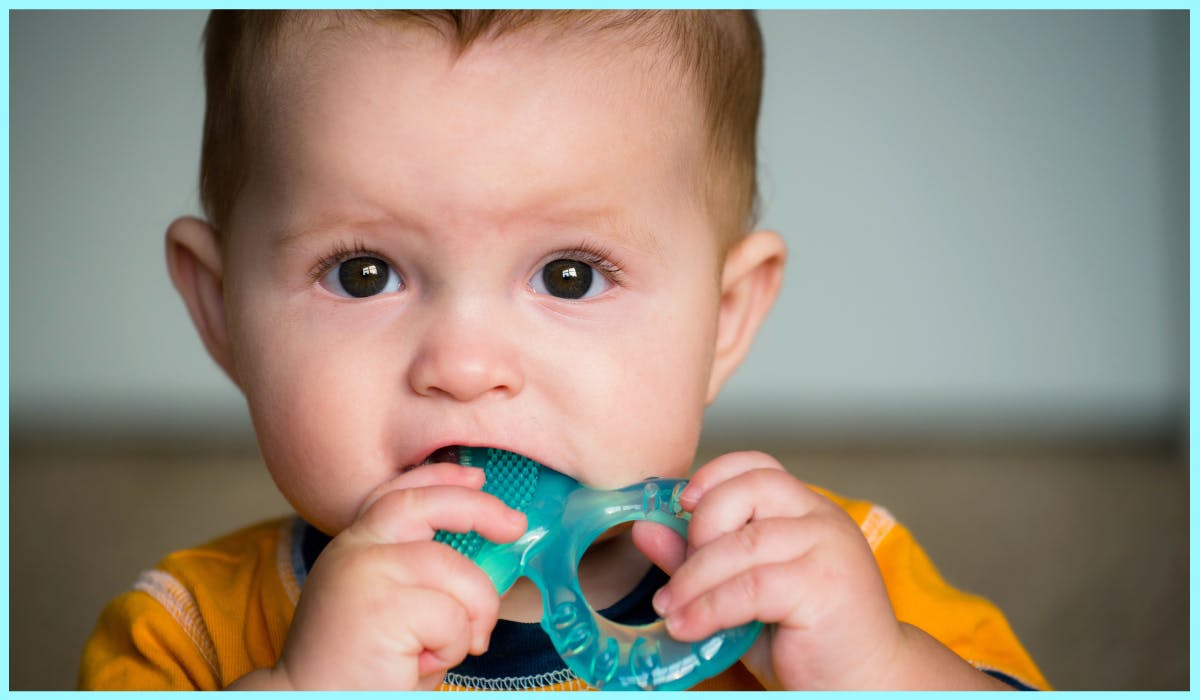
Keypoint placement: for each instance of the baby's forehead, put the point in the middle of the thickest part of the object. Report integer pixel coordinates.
(632, 63)
(346, 106)
(616, 63)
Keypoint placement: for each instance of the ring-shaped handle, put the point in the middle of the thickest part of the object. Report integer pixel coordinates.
(608, 654)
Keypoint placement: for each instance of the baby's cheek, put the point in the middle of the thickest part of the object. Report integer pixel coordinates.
(650, 438)
(320, 495)
(322, 452)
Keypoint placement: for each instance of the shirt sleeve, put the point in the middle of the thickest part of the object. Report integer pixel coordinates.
(202, 618)
(969, 625)
(139, 644)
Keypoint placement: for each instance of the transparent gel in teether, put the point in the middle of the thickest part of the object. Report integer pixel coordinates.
(565, 517)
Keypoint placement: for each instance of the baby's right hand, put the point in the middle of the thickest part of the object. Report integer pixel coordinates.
(385, 607)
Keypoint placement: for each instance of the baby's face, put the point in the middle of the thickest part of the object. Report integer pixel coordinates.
(505, 250)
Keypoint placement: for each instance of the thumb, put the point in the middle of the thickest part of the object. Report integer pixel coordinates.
(663, 546)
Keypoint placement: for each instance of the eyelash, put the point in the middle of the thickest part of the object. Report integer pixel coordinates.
(587, 252)
(595, 255)
(338, 255)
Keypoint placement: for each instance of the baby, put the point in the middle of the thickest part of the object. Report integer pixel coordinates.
(524, 230)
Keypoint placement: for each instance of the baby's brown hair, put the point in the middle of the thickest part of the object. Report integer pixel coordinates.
(721, 51)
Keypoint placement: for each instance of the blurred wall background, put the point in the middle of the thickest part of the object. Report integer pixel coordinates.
(984, 323)
(986, 212)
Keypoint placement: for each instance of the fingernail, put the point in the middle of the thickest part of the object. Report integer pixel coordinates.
(661, 602)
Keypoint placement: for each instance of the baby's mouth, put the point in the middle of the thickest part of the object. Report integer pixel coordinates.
(449, 453)
(470, 456)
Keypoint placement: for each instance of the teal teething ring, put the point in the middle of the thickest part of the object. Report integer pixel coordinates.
(565, 517)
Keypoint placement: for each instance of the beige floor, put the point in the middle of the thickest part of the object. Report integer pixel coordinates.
(1087, 552)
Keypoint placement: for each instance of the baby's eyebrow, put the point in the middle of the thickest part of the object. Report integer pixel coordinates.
(638, 237)
(293, 232)
(596, 218)
(602, 224)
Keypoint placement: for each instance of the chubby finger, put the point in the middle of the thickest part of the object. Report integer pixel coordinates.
(414, 514)
(766, 593)
(722, 469)
(754, 494)
(439, 629)
(438, 474)
(432, 565)
(759, 543)
(664, 547)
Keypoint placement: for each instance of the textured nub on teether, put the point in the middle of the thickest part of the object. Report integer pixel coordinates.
(508, 476)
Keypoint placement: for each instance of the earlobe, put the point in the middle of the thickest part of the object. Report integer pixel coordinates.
(750, 282)
(196, 268)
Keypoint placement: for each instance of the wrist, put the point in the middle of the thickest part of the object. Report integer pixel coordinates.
(924, 663)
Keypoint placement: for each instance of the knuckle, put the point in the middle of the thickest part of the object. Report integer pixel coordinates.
(749, 585)
(391, 504)
(749, 539)
(457, 617)
(439, 556)
(399, 497)
(772, 478)
(699, 531)
(840, 523)
(762, 460)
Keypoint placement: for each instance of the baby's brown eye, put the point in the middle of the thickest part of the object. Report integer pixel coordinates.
(569, 279)
(361, 277)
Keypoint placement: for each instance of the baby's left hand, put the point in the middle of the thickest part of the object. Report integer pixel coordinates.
(763, 546)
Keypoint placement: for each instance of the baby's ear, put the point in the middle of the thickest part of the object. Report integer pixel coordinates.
(194, 261)
(750, 281)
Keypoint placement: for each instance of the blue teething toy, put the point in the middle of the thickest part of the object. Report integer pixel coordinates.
(565, 517)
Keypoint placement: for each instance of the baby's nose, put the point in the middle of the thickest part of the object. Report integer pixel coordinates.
(465, 366)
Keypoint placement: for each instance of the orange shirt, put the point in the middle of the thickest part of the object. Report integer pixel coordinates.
(209, 615)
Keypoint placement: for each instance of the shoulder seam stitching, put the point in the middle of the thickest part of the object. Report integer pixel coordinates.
(877, 525)
(170, 593)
